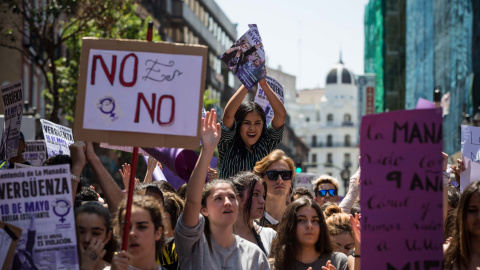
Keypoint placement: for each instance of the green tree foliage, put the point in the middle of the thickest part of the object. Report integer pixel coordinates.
(118, 24)
(45, 30)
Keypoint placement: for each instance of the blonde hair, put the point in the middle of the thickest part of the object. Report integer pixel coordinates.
(276, 155)
(324, 179)
(337, 221)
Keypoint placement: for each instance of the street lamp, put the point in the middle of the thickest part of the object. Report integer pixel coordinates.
(345, 174)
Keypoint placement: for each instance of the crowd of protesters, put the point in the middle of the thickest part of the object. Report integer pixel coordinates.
(248, 218)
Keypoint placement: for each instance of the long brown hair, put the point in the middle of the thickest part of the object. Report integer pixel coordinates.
(206, 191)
(246, 181)
(458, 252)
(155, 210)
(285, 248)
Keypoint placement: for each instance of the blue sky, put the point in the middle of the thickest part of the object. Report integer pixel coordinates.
(304, 37)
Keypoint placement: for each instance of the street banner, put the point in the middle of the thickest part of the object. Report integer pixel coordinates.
(470, 156)
(39, 201)
(36, 152)
(139, 93)
(262, 100)
(246, 58)
(401, 193)
(12, 97)
(57, 138)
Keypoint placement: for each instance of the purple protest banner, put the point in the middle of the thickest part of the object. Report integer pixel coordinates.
(401, 195)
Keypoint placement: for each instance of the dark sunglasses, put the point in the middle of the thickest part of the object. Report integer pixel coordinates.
(273, 175)
(323, 192)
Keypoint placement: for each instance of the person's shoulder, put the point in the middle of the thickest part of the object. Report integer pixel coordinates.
(247, 246)
(269, 232)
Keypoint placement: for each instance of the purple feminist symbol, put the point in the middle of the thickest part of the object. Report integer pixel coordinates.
(107, 106)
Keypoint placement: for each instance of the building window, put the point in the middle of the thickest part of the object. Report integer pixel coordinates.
(330, 118)
(329, 140)
(314, 141)
(307, 119)
(347, 140)
(347, 118)
(347, 158)
(314, 158)
(318, 116)
(329, 160)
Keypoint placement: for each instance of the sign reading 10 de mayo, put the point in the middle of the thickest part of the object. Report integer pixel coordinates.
(140, 93)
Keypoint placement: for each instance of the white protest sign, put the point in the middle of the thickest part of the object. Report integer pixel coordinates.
(262, 100)
(12, 97)
(36, 152)
(470, 155)
(57, 137)
(136, 93)
(139, 100)
(39, 201)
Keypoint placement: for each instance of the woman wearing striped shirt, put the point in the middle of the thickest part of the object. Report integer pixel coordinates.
(246, 137)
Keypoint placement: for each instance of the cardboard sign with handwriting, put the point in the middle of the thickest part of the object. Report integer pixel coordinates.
(401, 195)
(139, 93)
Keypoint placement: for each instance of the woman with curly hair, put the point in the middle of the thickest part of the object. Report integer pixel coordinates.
(340, 229)
(303, 240)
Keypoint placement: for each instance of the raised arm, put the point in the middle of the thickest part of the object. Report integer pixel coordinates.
(279, 111)
(210, 136)
(232, 106)
(77, 153)
(113, 194)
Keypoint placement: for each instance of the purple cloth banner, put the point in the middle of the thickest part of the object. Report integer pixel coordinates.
(401, 195)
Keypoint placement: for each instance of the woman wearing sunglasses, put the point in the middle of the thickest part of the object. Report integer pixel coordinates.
(277, 170)
(326, 190)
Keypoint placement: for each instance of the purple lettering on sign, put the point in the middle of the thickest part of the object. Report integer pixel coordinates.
(402, 221)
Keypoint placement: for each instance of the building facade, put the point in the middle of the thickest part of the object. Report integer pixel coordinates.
(385, 51)
(327, 120)
(440, 52)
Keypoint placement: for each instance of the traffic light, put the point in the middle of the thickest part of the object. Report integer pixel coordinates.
(298, 167)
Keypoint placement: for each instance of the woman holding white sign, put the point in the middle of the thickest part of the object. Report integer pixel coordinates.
(246, 137)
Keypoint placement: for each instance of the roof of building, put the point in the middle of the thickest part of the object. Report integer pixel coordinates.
(339, 74)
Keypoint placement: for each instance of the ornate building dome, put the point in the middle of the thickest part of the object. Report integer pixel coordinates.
(339, 74)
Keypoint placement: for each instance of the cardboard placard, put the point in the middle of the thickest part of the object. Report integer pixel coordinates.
(57, 138)
(470, 156)
(39, 200)
(139, 93)
(401, 193)
(9, 236)
(262, 100)
(12, 98)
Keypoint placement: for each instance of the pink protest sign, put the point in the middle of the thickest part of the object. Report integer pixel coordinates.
(401, 195)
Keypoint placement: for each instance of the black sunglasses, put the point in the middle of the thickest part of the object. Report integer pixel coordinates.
(323, 192)
(273, 175)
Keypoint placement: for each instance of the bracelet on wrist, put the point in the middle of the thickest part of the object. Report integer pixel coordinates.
(75, 177)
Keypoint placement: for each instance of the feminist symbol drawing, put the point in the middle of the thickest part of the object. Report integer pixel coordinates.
(107, 106)
(61, 208)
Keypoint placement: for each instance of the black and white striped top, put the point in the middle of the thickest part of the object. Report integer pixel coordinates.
(230, 160)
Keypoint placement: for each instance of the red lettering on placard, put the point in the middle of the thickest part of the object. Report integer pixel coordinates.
(172, 110)
(110, 75)
(135, 67)
(150, 109)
